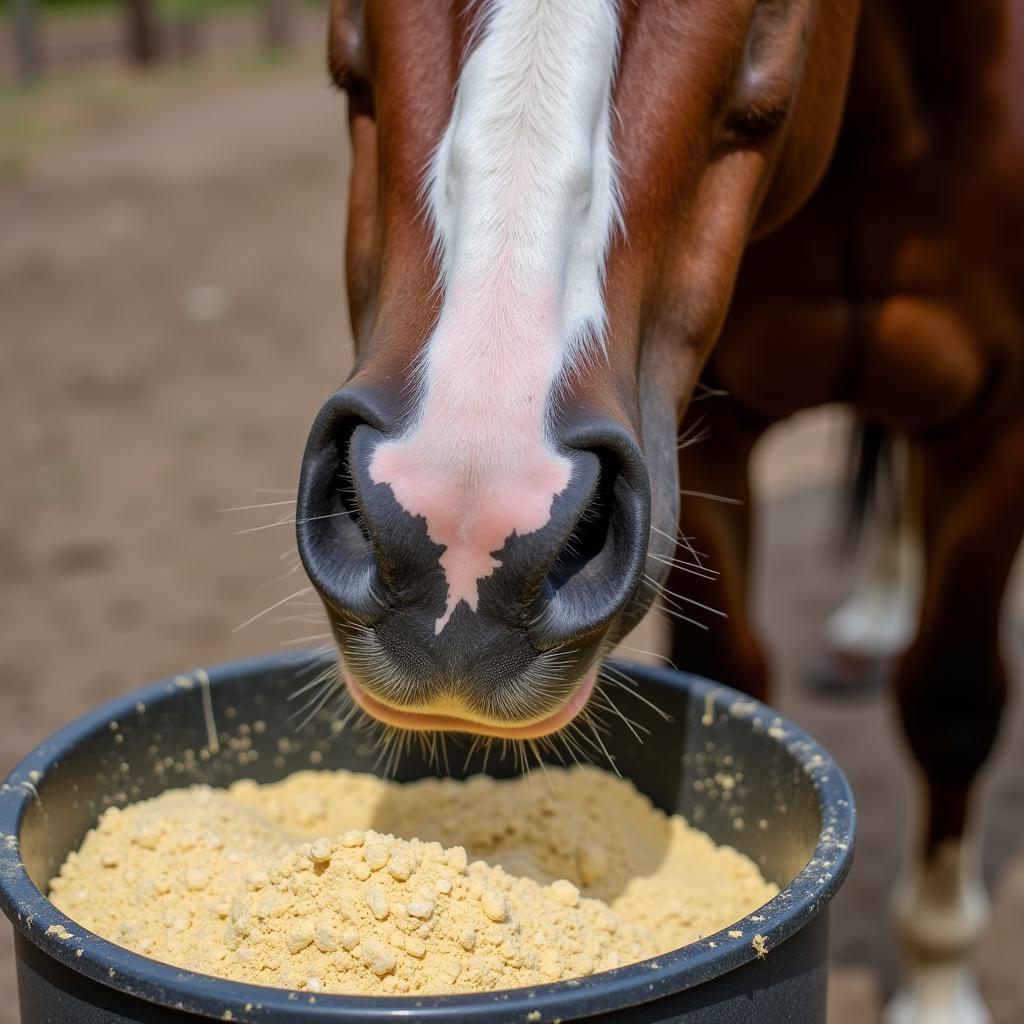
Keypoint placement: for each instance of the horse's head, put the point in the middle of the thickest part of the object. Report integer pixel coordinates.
(549, 202)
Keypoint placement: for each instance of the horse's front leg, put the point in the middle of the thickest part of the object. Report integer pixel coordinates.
(707, 587)
(951, 689)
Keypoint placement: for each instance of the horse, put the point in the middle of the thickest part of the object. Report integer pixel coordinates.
(570, 219)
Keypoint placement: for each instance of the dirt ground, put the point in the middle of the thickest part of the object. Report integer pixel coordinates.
(172, 319)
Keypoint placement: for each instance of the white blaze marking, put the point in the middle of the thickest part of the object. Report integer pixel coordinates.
(522, 195)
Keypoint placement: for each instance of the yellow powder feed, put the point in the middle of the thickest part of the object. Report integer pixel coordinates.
(317, 883)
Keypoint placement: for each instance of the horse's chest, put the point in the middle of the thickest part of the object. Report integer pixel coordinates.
(911, 360)
(871, 310)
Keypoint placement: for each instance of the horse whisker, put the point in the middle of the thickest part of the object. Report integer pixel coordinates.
(689, 567)
(324, 674)
(708, 392)
(607, 703)
(277, 579)
(694, 433)
(623, 682)
(681, 538)
(690, 442)
(651, 654)
(292, 522)
(712, 497)
(276, 604)
(592, 723)
(671, 595)
(262, 504)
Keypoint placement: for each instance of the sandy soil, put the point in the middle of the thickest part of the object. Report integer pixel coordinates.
(173, 318)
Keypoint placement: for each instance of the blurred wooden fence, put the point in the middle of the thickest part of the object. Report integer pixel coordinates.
(38, 41)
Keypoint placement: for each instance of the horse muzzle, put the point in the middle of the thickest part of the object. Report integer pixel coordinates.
(509, 646)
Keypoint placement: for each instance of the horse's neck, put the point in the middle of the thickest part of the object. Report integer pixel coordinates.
(931, 75)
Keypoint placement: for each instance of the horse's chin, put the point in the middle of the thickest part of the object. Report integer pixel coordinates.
(426, 721)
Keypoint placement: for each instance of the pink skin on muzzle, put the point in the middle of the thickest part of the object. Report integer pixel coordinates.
(478, 467)
(426, 722)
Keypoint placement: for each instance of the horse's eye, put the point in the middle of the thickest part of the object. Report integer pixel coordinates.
(755, 122)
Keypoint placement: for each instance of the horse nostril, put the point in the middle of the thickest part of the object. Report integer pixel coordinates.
(596, 571)
(345, 496)
(334, 543)
(589, 538)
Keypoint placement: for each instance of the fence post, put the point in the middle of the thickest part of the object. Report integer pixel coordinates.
(277, 25)
(28, 49)
(143, 32)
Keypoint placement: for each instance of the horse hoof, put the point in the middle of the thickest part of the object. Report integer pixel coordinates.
(836, 673)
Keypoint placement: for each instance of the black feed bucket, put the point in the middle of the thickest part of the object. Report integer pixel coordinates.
(790, 809)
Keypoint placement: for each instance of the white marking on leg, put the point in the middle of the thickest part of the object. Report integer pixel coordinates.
(522, 195)
(879, 618)
(940, 908)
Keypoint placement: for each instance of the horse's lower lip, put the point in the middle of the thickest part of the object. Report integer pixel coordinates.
(449, 723)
